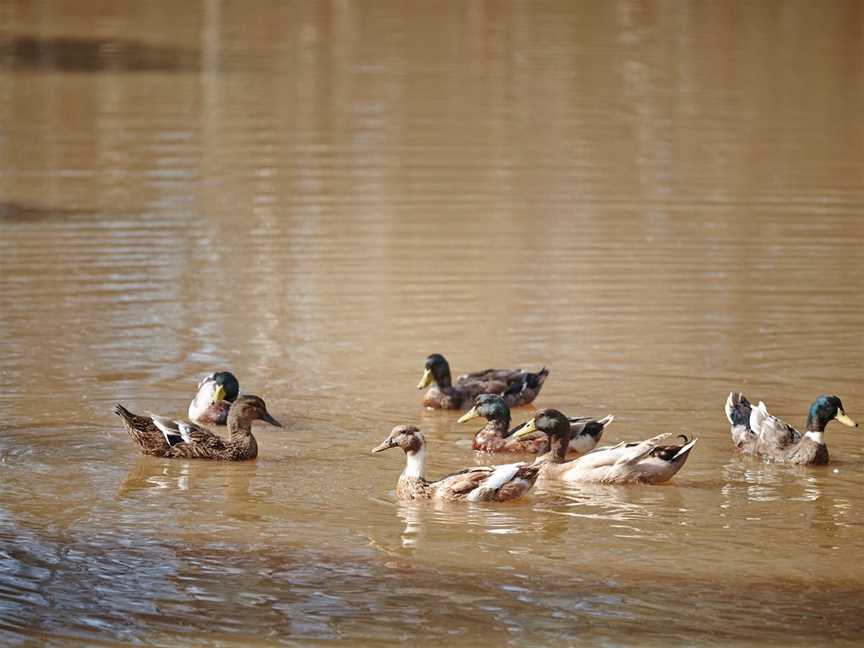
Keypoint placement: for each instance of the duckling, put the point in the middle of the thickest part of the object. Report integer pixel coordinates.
(644, 462)
(755, 431)
(477, 484)
(497, 437)
(161, 437)
(516, 386)
(215, 394)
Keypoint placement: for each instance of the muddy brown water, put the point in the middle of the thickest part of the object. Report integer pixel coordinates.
(660, 201)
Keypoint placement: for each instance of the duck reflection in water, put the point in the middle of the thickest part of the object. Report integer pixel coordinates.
(233, 481)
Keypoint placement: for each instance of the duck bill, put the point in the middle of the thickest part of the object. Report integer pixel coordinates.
(529, 428)
(470, 414)
(218, 394)
(845, 420)
(384, 445)
(426, 380)
(269, 419)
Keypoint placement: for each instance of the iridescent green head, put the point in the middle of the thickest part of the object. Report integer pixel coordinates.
(491, 407)
(824, 410)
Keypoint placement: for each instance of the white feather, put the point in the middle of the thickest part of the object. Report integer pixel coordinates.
(758, 416)
(684, 449)
(185, 430)
(204, 397)
(167, 428)
(730, 406)
(414, 464)
(500, 476)
(818, 437)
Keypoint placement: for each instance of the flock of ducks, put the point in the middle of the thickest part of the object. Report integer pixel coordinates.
(566, 447)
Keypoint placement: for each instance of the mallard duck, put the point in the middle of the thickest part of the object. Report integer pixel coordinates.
(644, 462)
(497, 436)
(477, 484)
(215, 394)
(755, 431)
(516, 386)
(162, 437)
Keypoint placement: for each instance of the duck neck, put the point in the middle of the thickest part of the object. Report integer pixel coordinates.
(239, 427)
(499, 426)
(815, 423)
(442, 377)
(415, 462)
(558, 448)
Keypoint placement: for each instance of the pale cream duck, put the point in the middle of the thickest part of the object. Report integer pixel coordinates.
(476, 484)
(643, 462)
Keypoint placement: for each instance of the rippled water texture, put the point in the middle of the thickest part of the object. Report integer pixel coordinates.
(661, 201)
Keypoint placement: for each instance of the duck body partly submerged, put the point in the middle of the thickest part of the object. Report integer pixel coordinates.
(162, 437)
(755, 431)
(475, 484)
(643, 462)
(516, 386)
(497, 436)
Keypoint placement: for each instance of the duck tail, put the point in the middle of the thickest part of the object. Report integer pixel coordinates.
(536, 380)
(738, 409)
(527, 381)
(606, 420)
(684, 450)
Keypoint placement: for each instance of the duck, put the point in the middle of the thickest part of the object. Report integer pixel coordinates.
(497, 436)
(516, 386)
(159, 436)
(213, 399)
(642, 462)
(755, 431)
(477, 484)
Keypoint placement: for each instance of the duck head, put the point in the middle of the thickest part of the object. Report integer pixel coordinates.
(407, 437)
(436, 370)
(221, 385)
(824, 410)
(554, 425)
(491, 407)
(249, 408)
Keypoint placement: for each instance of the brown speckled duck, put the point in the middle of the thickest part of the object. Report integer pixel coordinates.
(497, 436)
(215, 394)
(477, 484)
(643, 462)
(161, 437)
(755, 431)
(516, 386)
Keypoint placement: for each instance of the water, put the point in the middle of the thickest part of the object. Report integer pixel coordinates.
(661, 201)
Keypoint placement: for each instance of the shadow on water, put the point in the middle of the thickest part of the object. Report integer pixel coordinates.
(15, 212)
(76, 54)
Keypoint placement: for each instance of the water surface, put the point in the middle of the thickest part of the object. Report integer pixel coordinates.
(660, 201)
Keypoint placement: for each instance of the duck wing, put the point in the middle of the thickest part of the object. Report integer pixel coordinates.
(774, 435)
(198, 442)
(171, 430)
(487, 375)
(619, 464)
(488, 483)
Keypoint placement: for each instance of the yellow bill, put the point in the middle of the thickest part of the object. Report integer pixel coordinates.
(426, 380)
(470, 414)
(845, 420)
(529, 428)
(219, 394)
